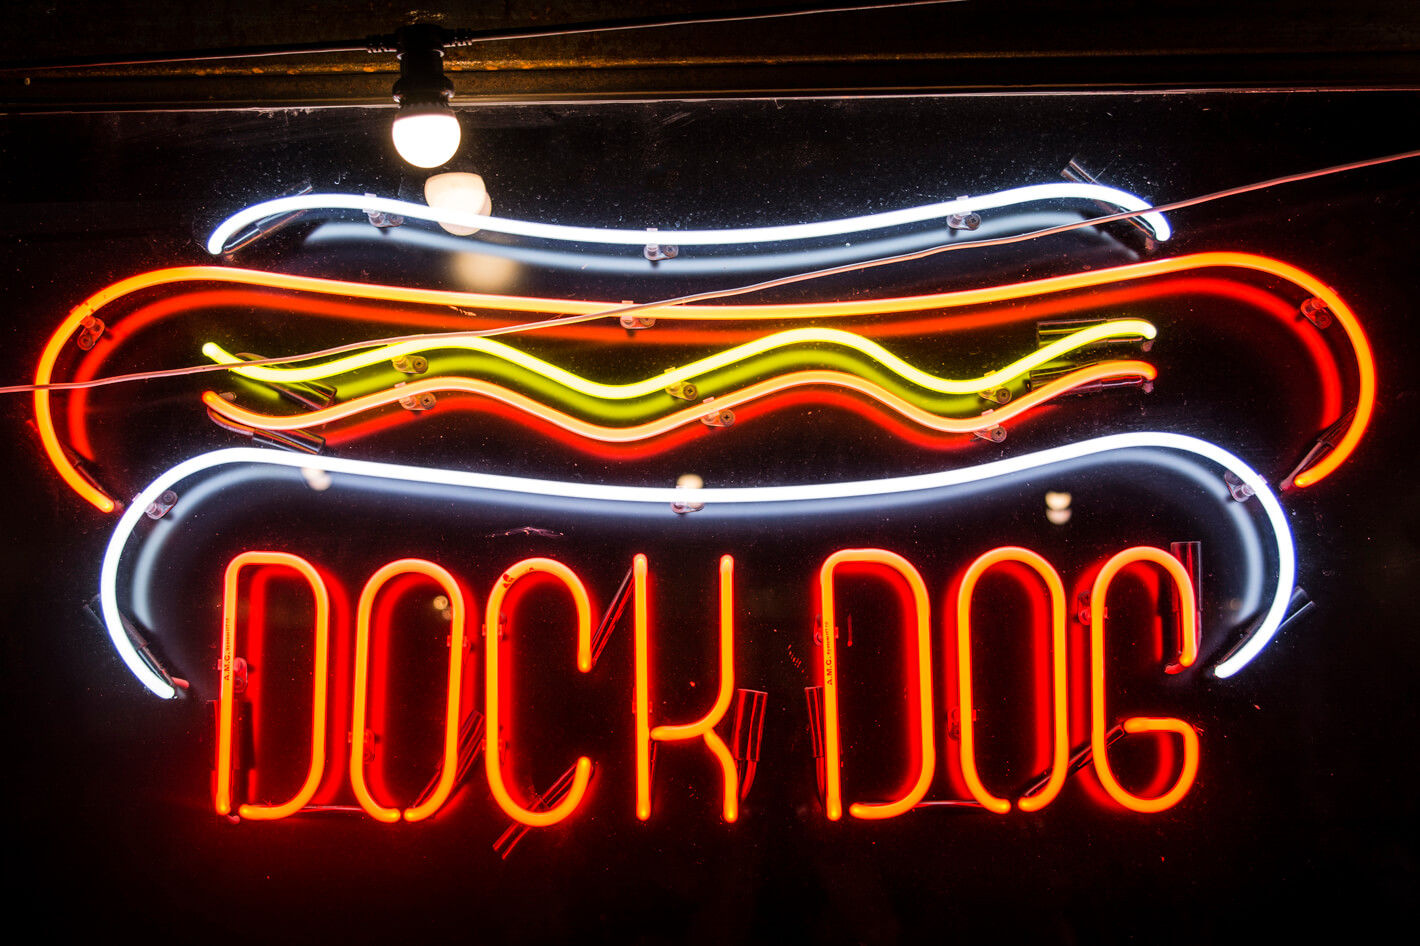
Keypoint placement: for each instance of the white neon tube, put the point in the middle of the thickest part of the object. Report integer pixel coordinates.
(1286, 550)
(1064, 190)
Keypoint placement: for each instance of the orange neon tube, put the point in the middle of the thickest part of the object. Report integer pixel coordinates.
(1060, 753)
(926, 766)
(687, 415)
(227, 696)
(494, 631)
(449, 770)
(1365, 399)
(704, 727)
(1099, 742)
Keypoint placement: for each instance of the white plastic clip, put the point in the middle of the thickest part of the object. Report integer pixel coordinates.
(659, 251)
(383, 220)
(684, 390)
(417, 402)
(688, 481)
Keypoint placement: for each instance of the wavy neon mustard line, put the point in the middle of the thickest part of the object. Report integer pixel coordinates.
(687, 415)
(1119, 328)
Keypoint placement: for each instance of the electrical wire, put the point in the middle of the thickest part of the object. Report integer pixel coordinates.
(459, 37)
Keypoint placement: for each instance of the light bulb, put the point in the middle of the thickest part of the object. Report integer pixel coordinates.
(426, 136)
(460, 191)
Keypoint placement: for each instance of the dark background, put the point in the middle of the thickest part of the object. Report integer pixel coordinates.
(1304, 814)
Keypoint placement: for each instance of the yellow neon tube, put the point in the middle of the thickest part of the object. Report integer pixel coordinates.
(926, 765)
(1060, 751)
(1344, 447)
(1099, 740)
(449, 770)
(687, 415)
(227, 696)
(704, 727)
(493, 625)
(801, 336)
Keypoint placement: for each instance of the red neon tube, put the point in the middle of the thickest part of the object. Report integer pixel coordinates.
(493, 631)
(704, 727)
(226, 698)
(1099, 740)
(1344, 447)
(1060, 753)
(926, 749)
(449, 767)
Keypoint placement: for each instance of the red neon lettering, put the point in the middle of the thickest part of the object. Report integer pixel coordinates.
(926, 763)
(1060, 752)
(1140, 724)
(703, 727)
(223, 799)
(498, 626)
(449, 768)
(493, 631)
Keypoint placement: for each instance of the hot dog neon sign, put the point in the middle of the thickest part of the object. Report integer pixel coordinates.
(648, 732)
(1343, 445)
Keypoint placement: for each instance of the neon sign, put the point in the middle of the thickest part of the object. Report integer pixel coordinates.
(707, 391)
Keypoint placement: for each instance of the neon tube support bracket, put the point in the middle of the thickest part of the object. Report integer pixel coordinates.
(1316, 312)
(655, 252)
(724, 418)
(417, 403)
(612, 615)
(268, 226)
(1082, 757)
(1190, 554)
(746, 735)
(634, 323)
(1049, 331)
(541, 802)
(383, 219)
(1074, 171)
(1239, 490)
(312, 395)
(687, 481)
(296, 441)
(993, 434)
(813, 696)
(1299, 605)
(1324, 445)
(964, 221)
(91, 329)
(94, 608)
(78, 464)
(159, 507)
